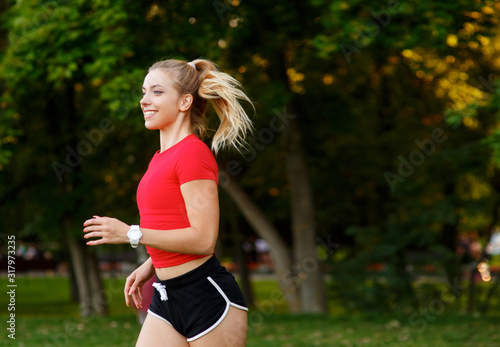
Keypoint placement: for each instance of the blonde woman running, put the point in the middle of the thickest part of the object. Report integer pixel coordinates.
(196, 301)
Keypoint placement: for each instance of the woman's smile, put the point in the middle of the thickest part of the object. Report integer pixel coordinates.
(149, 113)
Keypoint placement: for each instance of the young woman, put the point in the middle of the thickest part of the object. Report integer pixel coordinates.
(196, 302)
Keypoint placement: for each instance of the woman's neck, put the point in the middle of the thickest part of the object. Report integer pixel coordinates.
(174, 133)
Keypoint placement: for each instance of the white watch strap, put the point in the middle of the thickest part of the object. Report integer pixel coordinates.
(134, 242)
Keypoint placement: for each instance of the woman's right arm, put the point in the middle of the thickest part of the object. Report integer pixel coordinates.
(133, 285)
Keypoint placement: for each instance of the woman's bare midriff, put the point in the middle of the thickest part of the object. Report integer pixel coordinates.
(167, 273)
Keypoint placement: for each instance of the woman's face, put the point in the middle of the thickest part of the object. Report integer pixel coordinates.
(161, 102)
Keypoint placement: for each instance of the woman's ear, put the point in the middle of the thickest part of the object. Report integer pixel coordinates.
(186, 102)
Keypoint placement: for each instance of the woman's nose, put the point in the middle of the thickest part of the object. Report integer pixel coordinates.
(144, 101)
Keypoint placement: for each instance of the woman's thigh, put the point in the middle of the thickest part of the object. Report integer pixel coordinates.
(156, 332)
(231, 332)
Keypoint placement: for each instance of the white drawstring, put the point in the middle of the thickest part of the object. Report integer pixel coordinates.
(163, 292)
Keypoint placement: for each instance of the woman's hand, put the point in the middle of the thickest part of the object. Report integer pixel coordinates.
(107, 230)
(134, 283)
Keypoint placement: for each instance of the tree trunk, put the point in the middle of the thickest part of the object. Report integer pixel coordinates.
(78, 261)
(73, 283)
(99, 299)
(471, 299)
(279, 250)
(312, 291)
(246, 285)
(449, 236)
(91, 293)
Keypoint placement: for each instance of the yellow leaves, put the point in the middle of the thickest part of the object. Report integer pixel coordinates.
(454, 75)
(440, 68)
(259, 61)
(297, 89)
(328, 79)
(473, 188)
(440, 93)
(467, 64)
(463, 76)
(155, 11)
(487, 10)
(473, 44)
(97, 82)
(461, 94)
(430, 63)
(471, 123)
(452, 40)
(9, 139)
(420, 74)
(445, 84)
(470, 28)
(485, 41)
(407, 53)
(475, 15)
(294, 77)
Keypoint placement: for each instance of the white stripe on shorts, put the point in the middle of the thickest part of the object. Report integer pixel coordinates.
(228, 303)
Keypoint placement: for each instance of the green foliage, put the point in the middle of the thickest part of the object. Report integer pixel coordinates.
(384, 121)
(72, 71)
(377, 88)
(355, 27)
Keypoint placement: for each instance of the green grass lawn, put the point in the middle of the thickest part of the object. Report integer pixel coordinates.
(45, 317)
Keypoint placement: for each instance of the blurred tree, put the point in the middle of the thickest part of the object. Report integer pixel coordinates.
(58, 53)
(353, 142)
(269, 68)
(83, 83)
(8, 131)
(399, 67)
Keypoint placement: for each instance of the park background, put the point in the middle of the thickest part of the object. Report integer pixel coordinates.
(373, 172)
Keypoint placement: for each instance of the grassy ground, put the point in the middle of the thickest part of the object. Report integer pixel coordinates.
(45, 317)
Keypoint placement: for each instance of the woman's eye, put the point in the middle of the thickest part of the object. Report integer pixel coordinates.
(156, 92)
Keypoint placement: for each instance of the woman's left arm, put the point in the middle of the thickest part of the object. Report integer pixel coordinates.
(202, 206)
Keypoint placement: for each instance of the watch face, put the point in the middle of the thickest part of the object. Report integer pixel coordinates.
(135, 234)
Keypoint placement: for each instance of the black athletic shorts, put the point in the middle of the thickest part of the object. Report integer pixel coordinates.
(196, 302)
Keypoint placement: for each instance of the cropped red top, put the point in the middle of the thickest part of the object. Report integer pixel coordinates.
(159, 197)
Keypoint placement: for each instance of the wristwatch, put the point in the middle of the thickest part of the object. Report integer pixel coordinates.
(134, 235)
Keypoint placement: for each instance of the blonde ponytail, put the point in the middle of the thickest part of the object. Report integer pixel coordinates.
(206, 83)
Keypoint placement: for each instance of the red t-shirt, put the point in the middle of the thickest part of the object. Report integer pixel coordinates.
(159, 197)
